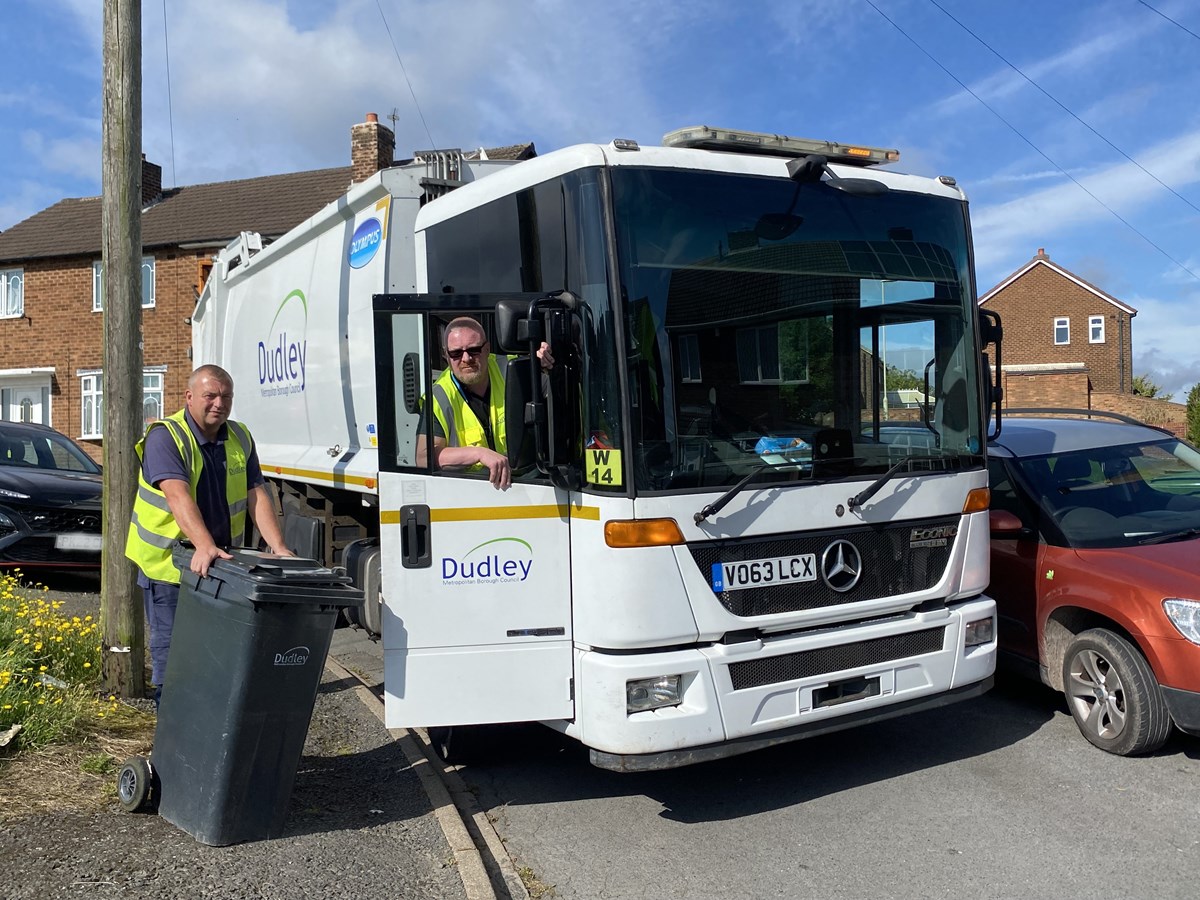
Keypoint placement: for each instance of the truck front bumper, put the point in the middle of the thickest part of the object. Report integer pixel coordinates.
(743, 696)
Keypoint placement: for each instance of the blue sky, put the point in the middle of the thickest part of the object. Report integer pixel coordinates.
(259, 87)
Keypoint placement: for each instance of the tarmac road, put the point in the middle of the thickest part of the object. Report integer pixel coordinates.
(997, 797)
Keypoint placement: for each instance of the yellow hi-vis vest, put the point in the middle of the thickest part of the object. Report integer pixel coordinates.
(458, 420)
(153, 529)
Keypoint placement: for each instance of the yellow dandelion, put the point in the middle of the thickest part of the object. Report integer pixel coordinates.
(87, 665)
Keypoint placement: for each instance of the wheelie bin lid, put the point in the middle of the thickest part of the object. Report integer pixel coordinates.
(266, 578)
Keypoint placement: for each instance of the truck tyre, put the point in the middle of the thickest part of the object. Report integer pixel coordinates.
(1113, 694)
(457, 745)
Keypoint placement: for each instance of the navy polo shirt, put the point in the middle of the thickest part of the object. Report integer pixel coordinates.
(162, 460)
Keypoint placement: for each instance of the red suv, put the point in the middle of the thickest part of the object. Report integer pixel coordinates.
(1096, 572)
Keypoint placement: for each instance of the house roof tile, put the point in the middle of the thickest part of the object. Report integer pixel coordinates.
(214, 212)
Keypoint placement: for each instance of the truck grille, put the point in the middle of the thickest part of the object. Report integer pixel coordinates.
(824, 660)
(893, 562)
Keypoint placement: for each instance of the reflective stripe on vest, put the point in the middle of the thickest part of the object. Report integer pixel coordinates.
(152, 529)
(460, 425)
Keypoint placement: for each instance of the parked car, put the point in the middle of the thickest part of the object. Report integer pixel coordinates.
(49, 499)
(1095, 557)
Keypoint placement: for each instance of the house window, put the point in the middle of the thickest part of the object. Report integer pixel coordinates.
(91, 389)
(12, 293)
(689, 357)
(152, 397)
(1096, 329)
(773, 354)
(147, 284)
(92, 394)
(1062, 330)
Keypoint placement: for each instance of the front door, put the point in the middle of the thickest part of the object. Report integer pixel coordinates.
(476, 581)
(25, 403)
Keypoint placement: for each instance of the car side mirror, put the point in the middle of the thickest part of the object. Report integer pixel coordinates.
(1002, 522)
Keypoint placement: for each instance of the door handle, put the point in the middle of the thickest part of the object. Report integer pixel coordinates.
(415, 551)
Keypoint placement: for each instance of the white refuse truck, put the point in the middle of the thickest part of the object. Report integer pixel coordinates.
(727, 527)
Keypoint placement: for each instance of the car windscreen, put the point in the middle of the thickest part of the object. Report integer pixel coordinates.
(1119, 496)
(43, 450)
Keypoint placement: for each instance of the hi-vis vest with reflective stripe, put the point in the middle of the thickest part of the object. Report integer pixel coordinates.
(458, 421)
(153, 529)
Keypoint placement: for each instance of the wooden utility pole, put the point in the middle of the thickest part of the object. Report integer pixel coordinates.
(121, 615)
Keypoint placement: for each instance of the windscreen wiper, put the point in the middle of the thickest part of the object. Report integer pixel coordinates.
(863, 496)
(1171, 536)
(719, 504)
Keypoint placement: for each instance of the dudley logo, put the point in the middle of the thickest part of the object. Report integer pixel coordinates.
(281, 356)
(498, 561)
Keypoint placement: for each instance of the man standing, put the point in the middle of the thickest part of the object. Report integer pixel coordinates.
(468, 404)
(199, 477)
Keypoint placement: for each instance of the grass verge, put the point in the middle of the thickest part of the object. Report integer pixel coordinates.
(61, 740)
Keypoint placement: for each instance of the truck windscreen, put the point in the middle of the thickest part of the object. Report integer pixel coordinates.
(768, 321)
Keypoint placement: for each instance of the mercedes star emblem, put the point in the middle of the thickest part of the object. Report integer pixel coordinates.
(841, 566)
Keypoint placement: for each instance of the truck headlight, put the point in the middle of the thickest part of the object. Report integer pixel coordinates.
(653, 693)
(981, 631)
(1185, 616)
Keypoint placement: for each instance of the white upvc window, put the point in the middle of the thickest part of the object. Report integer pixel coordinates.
(152, 397)
(773, 354)
(689, 357)
(12, 293)
(1062, 330)
(1096, 329)
(147, 284)
(91, 389)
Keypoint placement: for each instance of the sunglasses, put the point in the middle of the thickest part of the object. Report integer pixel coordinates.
(457, 352)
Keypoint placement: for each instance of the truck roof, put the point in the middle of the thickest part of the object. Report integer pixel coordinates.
(583, 156)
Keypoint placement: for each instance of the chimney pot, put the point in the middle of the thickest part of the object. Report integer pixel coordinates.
(372, 117)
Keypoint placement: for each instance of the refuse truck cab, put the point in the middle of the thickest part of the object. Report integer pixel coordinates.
(712, 542)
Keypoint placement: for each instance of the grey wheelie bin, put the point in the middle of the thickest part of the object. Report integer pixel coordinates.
(247, 653)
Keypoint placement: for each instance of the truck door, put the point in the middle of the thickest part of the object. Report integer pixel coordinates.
(476, 581)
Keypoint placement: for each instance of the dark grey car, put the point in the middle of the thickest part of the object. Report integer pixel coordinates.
(49, 499)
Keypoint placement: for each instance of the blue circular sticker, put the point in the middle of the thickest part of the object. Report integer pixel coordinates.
(367, 238)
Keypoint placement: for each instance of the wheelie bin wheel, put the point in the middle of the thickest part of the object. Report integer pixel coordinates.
(135, 785)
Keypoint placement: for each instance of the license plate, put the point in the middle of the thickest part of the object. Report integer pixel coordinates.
(752, 573)
(78, 542)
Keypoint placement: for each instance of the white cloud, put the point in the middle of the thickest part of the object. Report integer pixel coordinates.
(1166, 335)
(1006, 82)
(1002, 228)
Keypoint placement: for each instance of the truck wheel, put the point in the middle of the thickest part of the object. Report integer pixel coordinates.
(457, 745)
(135, 785)
(1113, 694)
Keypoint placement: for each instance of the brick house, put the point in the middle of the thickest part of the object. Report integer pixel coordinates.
(1069, 344)
(51, 290)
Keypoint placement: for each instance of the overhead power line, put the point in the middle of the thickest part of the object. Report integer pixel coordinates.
(1013, 128)
(1169, 19)
(1061, 106)
(432, 143)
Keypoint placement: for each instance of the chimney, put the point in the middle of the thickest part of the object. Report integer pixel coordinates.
(371, 148)
(151, 182)
(1041, 254)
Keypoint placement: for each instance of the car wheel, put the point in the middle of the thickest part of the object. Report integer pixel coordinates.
(1113, 694)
